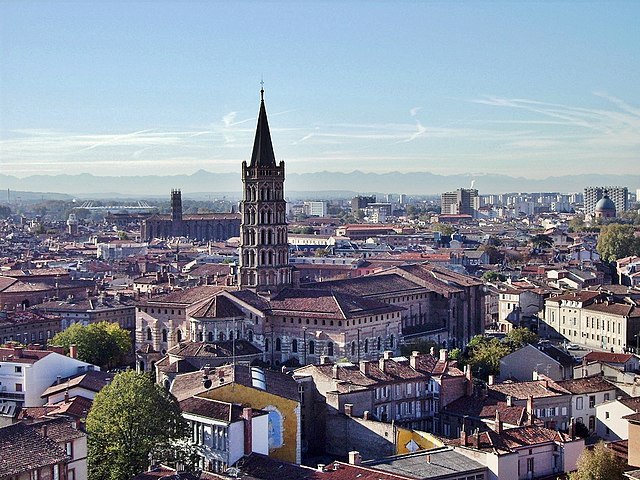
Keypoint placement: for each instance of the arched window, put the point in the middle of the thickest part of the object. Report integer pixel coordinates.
(179, 335)
(278, 345)
(391, 341)
(266, 344)
(231, 335)
(379, 343)
(200, 335)
(330, 349)
(312, 347)
(221, 336)
(149, 334)
(210, 337)
(250, 335)
(164, 334)
(366, 345)
(353, 348)
(294, 346)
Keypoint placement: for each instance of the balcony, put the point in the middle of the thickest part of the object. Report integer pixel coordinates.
(11, 396)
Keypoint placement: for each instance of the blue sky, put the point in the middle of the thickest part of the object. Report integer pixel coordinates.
(526, 89)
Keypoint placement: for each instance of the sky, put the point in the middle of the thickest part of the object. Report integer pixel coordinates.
(521, 88)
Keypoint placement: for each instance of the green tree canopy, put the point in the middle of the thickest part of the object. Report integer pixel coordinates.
(104, 344)
(600, 463)
(444, 229)
(484, 355)
(132, 420)
(542, 241)
(492, 276)
(519, 337)
(617, 241)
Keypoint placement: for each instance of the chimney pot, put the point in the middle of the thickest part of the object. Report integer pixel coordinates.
(491, 380)
(444, 355)
(354, 457)
(348, 409)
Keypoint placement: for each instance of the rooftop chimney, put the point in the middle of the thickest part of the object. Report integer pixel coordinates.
(354, 458)
(247, 416)
(509, 401)
(498, 423)
(17, 351)
(365, 367)
(348, 410)
(387, 354)
(334, 371)
(324, 360)
(73, 350)
(321, 467)
(444, 355)
(491, 379)
(469, 380)
(572, 428)
(432, 351)
(530, 409)
(413, 359)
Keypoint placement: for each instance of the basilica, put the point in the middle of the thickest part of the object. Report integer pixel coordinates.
(265, 310)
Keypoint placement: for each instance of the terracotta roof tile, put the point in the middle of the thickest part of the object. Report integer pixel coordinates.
(24, 448)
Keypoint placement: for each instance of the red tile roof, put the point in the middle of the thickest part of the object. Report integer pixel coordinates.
(24, 449)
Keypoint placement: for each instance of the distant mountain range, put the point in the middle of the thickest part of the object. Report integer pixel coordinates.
(203, 184)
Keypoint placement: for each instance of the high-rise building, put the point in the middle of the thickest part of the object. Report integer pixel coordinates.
(359, 202)
(264, 248)
(464, 201)
(619, 196)
(315, 208)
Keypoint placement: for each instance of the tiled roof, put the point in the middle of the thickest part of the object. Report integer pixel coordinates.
(369, 285)
(522, 390)
(214, 409)
(215, 349)
(632, 402)
(24, 448)
(485, 408)
(26, 356)
(77, 407)
(582, 296)
(327, 304)
(93, 380)
(184, 297)
(586, 385)
(607, 357)
(611, 308)
(59, 429)
(217, 307)
(189, 384)
(513, 439)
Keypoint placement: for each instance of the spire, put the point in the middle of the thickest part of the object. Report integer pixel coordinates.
(262, 155)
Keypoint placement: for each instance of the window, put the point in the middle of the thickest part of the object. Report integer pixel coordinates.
(592, 401)
(579, 402)
(18, 369)
(606, 414)
(210, 337)
(18, 387)
(606, 397)
(164, 335)
(330, 349)
(266, 344)
(69, 448)
(353, 348)
(366, 345)
(149, 335)
(312, 347)
(530, 465)
(294, 346)
(278, 345)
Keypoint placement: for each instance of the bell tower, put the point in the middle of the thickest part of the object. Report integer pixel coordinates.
(264, 248)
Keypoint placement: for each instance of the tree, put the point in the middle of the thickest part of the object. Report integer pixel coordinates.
(600, 463)
(131, 421)
(617, 241)
(492, 276)
(484, 355)
(519, 337)
(444, 229)
(104, 344)
(542, 241)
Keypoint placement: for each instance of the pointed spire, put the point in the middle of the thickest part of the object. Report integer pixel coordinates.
(262, 155)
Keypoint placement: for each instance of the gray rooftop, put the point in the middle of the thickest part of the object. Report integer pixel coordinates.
(437, 463)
